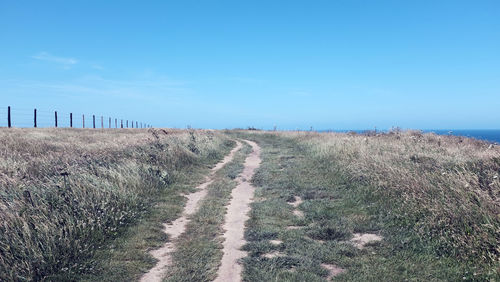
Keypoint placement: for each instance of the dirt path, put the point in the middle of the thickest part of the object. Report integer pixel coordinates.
(236, 215)
(178, 226)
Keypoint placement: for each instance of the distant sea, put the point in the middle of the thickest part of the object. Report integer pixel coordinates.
(492, 135)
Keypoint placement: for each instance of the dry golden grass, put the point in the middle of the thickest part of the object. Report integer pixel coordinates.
(433, 199)
(445, 188)
(65, 191)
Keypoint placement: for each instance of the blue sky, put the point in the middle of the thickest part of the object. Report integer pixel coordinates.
(225, 64)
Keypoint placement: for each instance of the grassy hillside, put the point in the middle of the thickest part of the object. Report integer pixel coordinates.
(445, 188)
(89, 205)
(434, 200)
(66, 193)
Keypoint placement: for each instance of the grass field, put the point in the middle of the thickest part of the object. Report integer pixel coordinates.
(199, 251)
(68, 195)
(88, 205)
(434, 200)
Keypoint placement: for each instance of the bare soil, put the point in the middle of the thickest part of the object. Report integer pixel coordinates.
(360, 240)
(274, 254)
(333, 270)
(178, 226)
(276, 242)
(295, 204)
(236, 215)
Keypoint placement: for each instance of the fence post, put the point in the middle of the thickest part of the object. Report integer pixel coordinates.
(102, 122)
(34, 117)
(70, 119)
(132, 124)
(8, 117)
(116, 123)
(55, 117)
(93, 120)
(121, 123)
(83, 121)
(109, 126)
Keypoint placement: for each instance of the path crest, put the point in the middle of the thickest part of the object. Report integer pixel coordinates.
(178, 226)
(236, 216)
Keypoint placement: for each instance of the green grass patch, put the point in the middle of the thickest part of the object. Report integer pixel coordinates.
(336, 205)
(126, 258)
(88, 204)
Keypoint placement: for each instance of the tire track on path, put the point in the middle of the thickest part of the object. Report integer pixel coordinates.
(178, 226)
(236, 216)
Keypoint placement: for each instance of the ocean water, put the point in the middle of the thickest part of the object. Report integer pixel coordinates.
(491, 135)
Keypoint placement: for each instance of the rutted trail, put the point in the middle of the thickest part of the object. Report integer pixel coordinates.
(178, 226)
(236, 215)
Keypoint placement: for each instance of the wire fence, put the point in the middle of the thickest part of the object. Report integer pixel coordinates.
(24, 117)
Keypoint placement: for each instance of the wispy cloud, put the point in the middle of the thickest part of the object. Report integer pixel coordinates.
(152, 89)
(66, 62)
